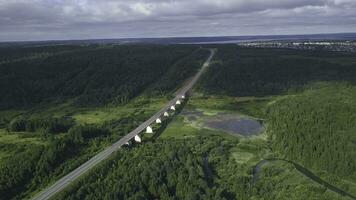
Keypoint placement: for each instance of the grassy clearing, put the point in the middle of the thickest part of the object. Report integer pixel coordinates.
(294, 179)
(19, 138)
(248, 106)
(178, 129)
(242, 157)
(13, 143)
(94, 115)
(100, 115)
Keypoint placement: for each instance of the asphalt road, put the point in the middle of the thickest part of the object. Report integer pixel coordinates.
(66, 180)
(304, 171)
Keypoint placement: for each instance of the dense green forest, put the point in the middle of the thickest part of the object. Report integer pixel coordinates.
(312, 121)
(201, 166)
(22, 52)
(60, 105)
(39, 142)
(166, 169)
(259, 72)
(93, 76)
(317, 129)
(34, 164)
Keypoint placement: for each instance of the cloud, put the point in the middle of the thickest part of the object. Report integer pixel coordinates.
(82, 19)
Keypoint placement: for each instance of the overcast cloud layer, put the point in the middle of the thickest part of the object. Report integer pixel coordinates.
(89, 19)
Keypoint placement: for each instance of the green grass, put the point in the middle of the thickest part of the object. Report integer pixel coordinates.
(19, 138)
(178, 129)
(242, 157)
(250, 106)
(285, 169)
(100, 115)
(213, 103)
(93, 115)
(12, 143)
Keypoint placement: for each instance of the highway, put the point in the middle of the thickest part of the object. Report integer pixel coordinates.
(72, 176)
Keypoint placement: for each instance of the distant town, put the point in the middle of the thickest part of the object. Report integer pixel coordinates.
(346, 46)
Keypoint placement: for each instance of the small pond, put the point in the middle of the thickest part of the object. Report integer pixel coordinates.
(235, 124)
(232, 123)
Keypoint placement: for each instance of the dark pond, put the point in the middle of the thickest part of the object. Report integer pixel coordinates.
(226, 122)
(235, 124)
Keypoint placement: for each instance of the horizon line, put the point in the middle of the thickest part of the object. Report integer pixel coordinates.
(174, 37)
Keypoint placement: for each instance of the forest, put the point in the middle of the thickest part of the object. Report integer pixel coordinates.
(93, 76)
(314, 122)
(310, 119)
(201, 167)
(261, 72)
(46, 143)
(317, 129)
(60, 105)
(167, 169)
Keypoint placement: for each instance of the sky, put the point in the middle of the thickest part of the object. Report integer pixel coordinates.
(26, 20)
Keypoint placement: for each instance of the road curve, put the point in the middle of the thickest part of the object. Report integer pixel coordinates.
(305, 172)
(72, 176)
